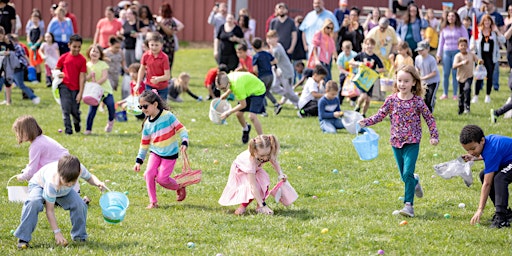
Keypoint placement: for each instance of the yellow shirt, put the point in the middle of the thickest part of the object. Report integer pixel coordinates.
(383, 41)
(433, 37)
(401, 60)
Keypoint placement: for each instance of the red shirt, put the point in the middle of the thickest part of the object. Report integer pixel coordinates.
(142, 87)
(210, 77)
(155, 66)
(72, 66)
(246, 64)
(72, 17)
(106, 29)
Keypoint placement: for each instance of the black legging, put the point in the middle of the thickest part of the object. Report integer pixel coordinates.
(499, 188)
(508, 106)
(489, 65)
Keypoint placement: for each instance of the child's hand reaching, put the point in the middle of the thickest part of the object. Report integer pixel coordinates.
(136, 167)
(60, 240)
(468, 157)
(225, 115)
(434, 142)
(361, 124)
(282, 177)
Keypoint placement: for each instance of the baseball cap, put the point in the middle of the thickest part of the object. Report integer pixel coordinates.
(423, 45)
(343, 2)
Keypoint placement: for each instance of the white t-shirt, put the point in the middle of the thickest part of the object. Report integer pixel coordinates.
(309, 87)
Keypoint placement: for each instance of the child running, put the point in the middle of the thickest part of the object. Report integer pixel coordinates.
(160, 131)
(98, 73)
(495, 151)
(464, 62)
(247, 180)
(115, 58)
(49, 52)
(405, 108)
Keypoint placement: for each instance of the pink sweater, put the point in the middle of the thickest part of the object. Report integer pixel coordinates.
(42, 150)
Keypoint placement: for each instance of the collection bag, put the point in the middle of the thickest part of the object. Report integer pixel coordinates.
(456, 167)
(364, 78)
(349, 89)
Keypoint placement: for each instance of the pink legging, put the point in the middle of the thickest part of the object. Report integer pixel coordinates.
(159, 171)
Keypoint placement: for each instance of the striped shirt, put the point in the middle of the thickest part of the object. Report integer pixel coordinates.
(160, 136)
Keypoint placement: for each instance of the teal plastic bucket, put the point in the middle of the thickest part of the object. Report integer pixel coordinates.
(367, 144)
(113, 206)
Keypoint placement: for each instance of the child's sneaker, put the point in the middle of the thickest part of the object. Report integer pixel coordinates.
(245, 134)
(493, 116)
(181, 193)
(407, 211)
(22, 244)
(475, 99)
(299, 114)
(418, 190)
(36, 100)
(152, 206)
(487, 99)
(500, 221)
(277, 109)
(109, 126)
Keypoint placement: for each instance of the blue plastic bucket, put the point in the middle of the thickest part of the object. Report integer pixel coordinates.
(113, 206)
(31, 73)
(121, 116)
(367, 144)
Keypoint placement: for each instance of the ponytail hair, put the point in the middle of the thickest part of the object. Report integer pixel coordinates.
(265, 141)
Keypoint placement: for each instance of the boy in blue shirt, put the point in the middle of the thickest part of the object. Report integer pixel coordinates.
(329, 109)
(262, 62)
(496, 152)
(54, 183)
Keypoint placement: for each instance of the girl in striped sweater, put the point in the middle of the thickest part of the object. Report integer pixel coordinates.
(161, 132)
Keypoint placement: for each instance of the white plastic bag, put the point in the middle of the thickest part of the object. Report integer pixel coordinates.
(480, 72)
(138, 47)
(456, 167)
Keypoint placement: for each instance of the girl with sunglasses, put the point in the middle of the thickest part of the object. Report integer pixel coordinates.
(247, 180)
(160, 131)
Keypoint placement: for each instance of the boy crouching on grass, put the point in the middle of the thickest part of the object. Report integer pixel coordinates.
(496, 151)
(54, 183)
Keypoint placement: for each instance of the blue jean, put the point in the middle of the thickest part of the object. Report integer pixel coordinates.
(35, 204)
(18, 80)
(405, 158)
(109, 101)
(69, 106)
(331, 125)
(496, 76)
(162, 92)
(448, 57)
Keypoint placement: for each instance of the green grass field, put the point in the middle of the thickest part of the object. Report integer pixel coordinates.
(355, 205)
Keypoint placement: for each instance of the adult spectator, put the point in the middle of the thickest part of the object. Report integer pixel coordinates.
(341, 11)
(324, 47)
(18, 20)
(228, 36)
(468, 10)
(147, 21)
(351, 30)
(410, 29)
(62, 29)
(451, 31)
(270, 18)
(129, 32)
(314, 21)
(500, 23)
(243, 23)
(433, 22)
(299, 53)
(508, 19)
(401, 5)
(487, 48)
(167, 27)
(385, 44)
(69, 15)
(508, 36)
(372, 20)
(107, 27)
(217, 17)
(7, 17)
(285, 28)
(252, 21)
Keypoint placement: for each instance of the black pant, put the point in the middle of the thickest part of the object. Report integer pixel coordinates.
(499, 188)
(489, 65)
(310, 109)
(465, 95)
(508, 106)
(430, 96)
(69, 106)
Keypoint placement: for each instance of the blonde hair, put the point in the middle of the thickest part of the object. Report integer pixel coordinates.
(180, 83)
(26, 128)
(262, 142)
(328, 22)
(330, 86)
(346, 44)
(416, 89)
(403, 45)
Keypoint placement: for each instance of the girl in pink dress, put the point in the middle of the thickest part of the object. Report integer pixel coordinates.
(247, 180)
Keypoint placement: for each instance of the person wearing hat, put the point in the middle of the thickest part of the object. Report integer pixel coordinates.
(341, 12)
(385, 44)
(426, 64)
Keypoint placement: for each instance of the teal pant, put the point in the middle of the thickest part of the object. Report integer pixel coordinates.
(406, 160)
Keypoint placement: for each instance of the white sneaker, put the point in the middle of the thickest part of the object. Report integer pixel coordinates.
(36, 100)
(509, 100)
(418, 190)
(407, 211)
(487, 99)
(474, 99)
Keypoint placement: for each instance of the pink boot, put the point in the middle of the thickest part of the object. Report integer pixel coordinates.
(109, 126)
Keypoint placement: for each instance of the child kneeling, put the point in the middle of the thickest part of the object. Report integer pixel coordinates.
(54, 183)
(329, 112)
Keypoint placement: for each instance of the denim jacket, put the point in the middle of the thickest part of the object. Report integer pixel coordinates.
(416, 28)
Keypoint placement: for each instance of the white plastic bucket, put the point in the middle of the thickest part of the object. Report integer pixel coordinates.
(55, 84)
(386, 84)
(92, 94)
(217, 107)
(17, 194)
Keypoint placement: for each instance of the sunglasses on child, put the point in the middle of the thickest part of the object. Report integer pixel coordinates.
(145, 106)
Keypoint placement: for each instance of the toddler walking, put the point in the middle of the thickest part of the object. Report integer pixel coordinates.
(115, 58)
(49, 52)
(247, 180)
(405, 108)
(160, 131)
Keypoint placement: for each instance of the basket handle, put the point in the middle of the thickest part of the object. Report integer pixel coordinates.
(11, 179)
(216, 104)
(186, 163)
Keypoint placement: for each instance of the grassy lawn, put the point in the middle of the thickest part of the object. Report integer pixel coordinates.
(355, 205)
